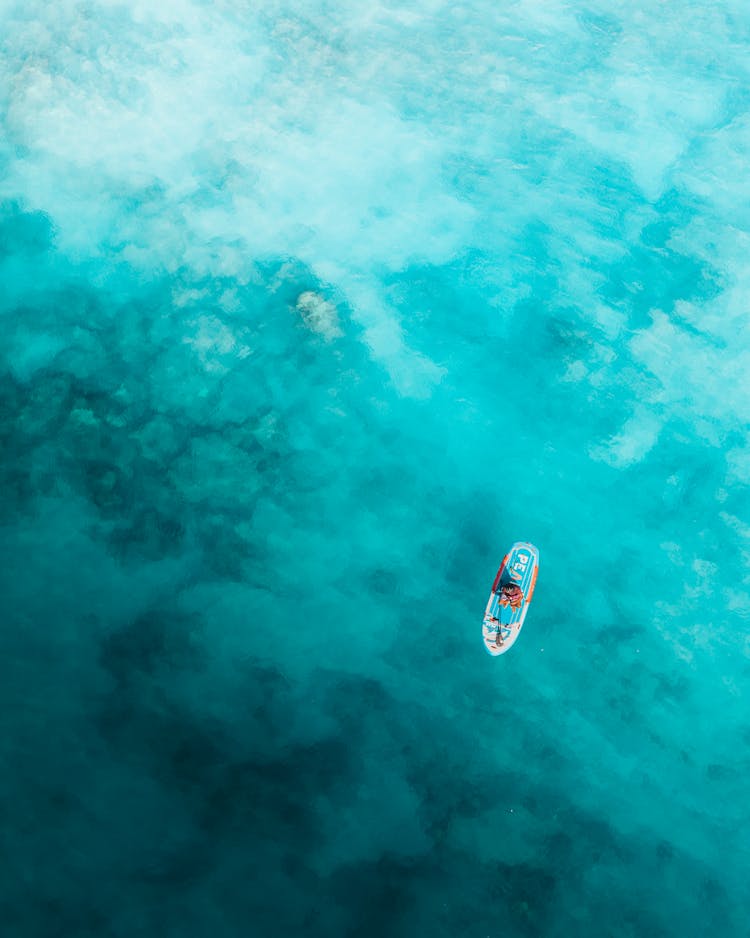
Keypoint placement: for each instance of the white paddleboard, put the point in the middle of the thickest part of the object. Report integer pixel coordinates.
(502, 623)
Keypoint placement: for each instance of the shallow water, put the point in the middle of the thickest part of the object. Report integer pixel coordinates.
(308, 314)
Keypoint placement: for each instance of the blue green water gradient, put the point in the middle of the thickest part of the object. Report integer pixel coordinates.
(308, 313)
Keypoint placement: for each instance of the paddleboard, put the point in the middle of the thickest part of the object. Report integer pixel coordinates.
(502, 624)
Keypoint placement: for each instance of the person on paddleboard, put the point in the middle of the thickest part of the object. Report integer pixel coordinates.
(511, 595)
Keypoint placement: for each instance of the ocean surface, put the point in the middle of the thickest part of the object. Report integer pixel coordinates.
(309, 310)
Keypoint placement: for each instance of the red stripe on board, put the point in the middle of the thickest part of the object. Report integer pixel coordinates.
(499, 573)
(533, 584)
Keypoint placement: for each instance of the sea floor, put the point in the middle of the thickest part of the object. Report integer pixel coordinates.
(309, 311)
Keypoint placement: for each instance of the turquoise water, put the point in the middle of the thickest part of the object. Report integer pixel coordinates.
(308, 314)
